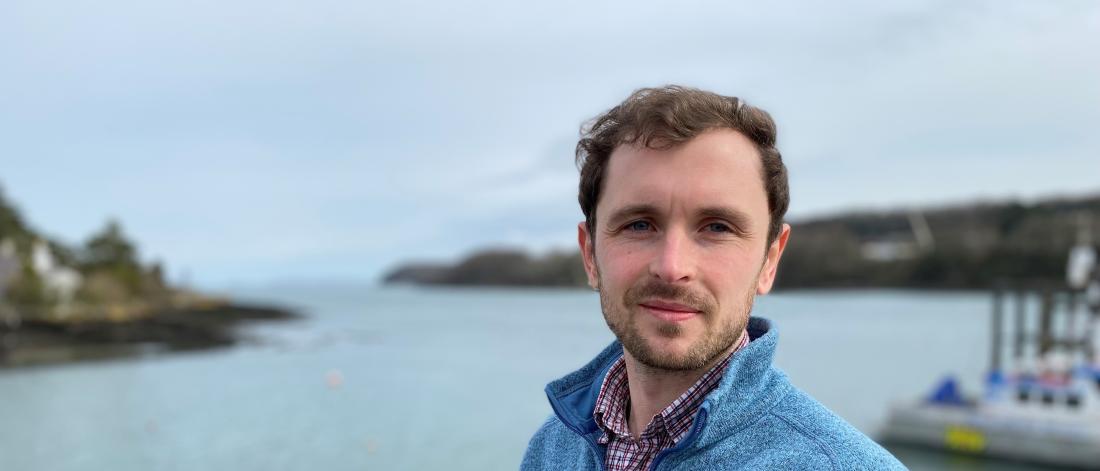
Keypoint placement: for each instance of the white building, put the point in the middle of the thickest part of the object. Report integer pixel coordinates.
(59, 280)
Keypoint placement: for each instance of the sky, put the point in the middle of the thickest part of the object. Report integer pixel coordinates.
(252, 142)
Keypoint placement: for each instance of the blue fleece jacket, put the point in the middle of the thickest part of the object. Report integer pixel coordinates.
(754, 419)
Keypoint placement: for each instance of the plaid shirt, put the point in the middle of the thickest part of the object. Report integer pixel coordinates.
(667, 427)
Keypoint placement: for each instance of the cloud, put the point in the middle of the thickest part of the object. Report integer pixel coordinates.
(255, 139)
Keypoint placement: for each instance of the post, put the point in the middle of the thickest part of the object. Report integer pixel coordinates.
(1073, 342)
(1020, 335)
(995, 344)
(1046, 317)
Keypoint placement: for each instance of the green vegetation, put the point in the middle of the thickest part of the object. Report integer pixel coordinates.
(105, 269)
(968, 247)
(97, 300)
(112, 273)
(498, 267)
(973, 246)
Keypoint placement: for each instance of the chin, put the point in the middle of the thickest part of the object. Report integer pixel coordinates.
(670, 348)
(669, 354)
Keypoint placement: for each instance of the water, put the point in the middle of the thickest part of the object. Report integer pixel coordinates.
(403, 378)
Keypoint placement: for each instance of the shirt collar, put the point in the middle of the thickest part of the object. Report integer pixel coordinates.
(674, 421)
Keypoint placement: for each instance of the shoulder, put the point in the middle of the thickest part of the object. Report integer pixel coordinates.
(551, 434)
(795, 433)
(555, 447)
(833, 439)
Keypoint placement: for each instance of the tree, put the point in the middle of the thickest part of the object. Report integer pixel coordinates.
(109, 248)
(109, 252)
(11, 222)
(27, 292)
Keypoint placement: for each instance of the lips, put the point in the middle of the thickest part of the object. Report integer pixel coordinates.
(668, 310)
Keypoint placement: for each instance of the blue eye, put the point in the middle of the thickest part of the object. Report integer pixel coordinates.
(639, 226)
(718, 227)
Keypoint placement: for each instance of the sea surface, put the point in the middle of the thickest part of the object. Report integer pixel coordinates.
(411, 378)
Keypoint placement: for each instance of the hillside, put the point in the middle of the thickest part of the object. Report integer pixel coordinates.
(61, 303)
(964, 246)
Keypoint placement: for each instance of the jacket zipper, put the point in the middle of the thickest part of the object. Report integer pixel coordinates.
(591, 443)
(687, 439)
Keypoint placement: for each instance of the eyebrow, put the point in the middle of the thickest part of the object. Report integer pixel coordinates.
(733, 216)
(621, 215)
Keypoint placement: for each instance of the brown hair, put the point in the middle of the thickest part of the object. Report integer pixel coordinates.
(662, 118)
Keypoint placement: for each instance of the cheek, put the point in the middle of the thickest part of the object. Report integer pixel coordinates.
(620, 265)
(735, 269)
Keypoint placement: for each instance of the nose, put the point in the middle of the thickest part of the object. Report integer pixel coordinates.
(675, 260)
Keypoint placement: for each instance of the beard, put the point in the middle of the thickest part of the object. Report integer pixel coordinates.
(720, 332)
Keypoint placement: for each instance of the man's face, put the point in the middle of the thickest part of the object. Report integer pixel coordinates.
(678, 251)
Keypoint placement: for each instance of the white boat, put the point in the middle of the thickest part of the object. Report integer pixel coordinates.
(1042, 405)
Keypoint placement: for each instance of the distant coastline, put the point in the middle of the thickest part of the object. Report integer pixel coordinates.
(62, 302)
(957, 247)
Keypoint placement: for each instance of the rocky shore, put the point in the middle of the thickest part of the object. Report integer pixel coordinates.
(37, 342)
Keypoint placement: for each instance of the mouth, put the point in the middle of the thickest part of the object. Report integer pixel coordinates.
(669, 311)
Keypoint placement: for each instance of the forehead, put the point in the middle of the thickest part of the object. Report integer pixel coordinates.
(718, 168)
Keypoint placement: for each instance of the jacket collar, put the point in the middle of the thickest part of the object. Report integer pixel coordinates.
(748, 389)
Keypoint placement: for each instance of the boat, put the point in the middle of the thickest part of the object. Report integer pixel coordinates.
(1041, 395)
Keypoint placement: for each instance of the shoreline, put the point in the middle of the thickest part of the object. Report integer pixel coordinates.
(42, 342)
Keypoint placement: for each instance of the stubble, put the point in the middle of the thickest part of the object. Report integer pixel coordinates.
(717, 338)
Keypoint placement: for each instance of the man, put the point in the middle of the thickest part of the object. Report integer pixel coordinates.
(683, 193)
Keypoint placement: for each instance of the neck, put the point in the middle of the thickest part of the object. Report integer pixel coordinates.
(653, 389)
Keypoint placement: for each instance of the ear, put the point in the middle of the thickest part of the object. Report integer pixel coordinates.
(771, 261)
(584, 239)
